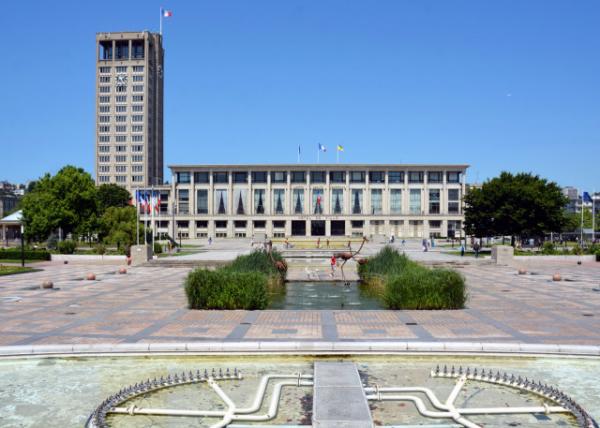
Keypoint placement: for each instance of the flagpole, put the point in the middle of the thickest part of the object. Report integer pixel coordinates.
(152, 214)
(581, 230)
(593, 217)
(161, 17)
(137, 216)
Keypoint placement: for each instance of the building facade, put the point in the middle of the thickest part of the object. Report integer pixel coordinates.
(129, 108)
(312, 200)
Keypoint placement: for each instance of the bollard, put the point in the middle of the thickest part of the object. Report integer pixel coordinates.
(90, 277)
(47, 284)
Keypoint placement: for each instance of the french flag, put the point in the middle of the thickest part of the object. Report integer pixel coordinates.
(167, 13)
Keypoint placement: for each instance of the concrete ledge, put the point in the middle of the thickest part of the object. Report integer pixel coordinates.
(585, 258)
(85, 258)
(301, 347)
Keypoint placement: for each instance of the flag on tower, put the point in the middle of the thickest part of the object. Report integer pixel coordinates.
(322, 148)
(340, 148)
(587, 198)
(167, 13)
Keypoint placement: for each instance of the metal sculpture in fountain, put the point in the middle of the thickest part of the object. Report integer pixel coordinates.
(347, 255)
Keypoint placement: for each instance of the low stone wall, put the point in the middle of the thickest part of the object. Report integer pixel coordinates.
(86, 258)
(585, 258)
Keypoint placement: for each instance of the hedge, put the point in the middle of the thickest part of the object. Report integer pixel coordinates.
(226, 289)
(15, 254)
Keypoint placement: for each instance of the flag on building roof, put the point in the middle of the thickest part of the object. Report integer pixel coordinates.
(340, 148)
(166, 13)
(587, 197)
(322, 147)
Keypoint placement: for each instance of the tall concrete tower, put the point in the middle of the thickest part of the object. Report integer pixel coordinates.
(129, 108)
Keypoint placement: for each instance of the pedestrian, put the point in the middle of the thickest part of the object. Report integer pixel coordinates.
(333, 264)
(349, 245)
(462, 249)
(209, 240)
(476, 248)
(318, 242)
(327, 242)
(287, 244)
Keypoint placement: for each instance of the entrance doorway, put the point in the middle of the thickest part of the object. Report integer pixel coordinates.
(338, 228)
(298, 228)
(317, 228)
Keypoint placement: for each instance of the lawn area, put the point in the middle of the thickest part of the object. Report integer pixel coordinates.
(18, 261)
(10, 270)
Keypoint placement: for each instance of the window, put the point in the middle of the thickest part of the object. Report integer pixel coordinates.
(121, 168)
(220, 177)
(104, 178)
(137, 168)
(202, 201)
(357, 201)
(121, 118)
(138, 88)
(376, 201)
(121, 128)
(454, 226)
(239, 224)
(104, 99)
(240, 201)
(137, 128)
(183, 201)
(121, 88)
(183, 224)
(415, 176)
(279, 224)
(104, 119)
(434, 201)
(137, 178)
(183, 177)
(377, 177)
(337, 177)
(137, 158)
(121, 138)
(104, 109)
(259, 224)
(104, 79)
(137, 98)
(453, 177)
(298, 200)
(298, 177)
(121, 109)
(121, 98)
(453, 201)
(317, 176)
(240, 177)
(435, 224)
(137, 138)
(221, 224)
(259, 176)
(137, 148)
(415, 201)
(104, 139)
(104, 168)
(259, 201)
(104, 128)
(121, 178)
(337, 201)
(278, 177)
(434, 177)
(278, 200)
(201, 224)
(103, 158)
(104, 70)
(317, 201)
(138, 108)
(357, 224)
(138, 68)
(121, 148)
(396, 176)
(138, 78)
(122, 69)
(220, 201)
(137, 118)
(201, 177)
(395, 201)
(104, 89)
(357, 176)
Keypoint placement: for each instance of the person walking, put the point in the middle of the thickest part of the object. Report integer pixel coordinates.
(209, 240)
(333, 264)
(462, 250)
(476, 248)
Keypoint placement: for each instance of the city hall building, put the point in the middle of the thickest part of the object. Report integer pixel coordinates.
(312, 200)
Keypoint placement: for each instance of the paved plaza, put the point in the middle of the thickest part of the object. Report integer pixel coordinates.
(148, 305)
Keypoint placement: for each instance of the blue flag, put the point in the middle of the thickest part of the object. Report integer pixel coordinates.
(587, 197)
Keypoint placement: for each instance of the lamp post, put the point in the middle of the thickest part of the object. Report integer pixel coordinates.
(22, 245)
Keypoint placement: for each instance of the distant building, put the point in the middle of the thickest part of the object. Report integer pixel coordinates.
(129, 108)
(8, 202)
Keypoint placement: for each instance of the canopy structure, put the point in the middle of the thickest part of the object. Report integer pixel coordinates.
(10, 228)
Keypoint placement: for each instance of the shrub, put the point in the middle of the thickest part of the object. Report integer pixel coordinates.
(386, 262)
(226, 289)
(548, 248)
(100, 249)
(577, 250)
(157, 248)
(67, 247)
(15, 254)
(256, 261)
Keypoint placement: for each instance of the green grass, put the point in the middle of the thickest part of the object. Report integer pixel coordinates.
(404, 284)
(18, 261)
(11, 270)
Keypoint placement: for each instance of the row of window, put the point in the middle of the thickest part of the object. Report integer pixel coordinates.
(122, 69)
(120, 158)
(320, 176)
(120, 168)
(135, 78)
(138, 108)
(105, 99)
(121, 148)
(316, 205)
(105, 89)
(280, 224)
(123, 139)
(120, 118)
(122, 49)
(121, 178)
(120, 128)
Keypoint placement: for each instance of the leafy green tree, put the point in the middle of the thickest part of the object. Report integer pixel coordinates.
(574, 221)
(66, 200)
(112, 195)
(522, 205)
(118, 226)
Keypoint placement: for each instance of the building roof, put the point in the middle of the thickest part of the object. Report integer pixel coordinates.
(323, 165)
(13, 218)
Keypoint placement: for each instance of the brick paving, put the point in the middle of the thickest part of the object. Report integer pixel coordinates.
(148, 305)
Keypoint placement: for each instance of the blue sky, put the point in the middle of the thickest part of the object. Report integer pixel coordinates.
(503, 85)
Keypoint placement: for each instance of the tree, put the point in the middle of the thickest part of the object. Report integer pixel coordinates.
(118, 226)
(66, 201)
(112, 195)
(574, 221)
(522, 205)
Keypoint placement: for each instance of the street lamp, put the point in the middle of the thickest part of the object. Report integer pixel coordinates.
(22, 245)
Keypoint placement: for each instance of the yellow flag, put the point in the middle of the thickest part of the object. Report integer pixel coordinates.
(340, 148)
